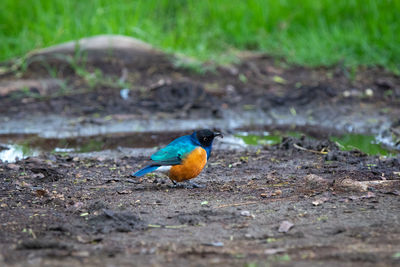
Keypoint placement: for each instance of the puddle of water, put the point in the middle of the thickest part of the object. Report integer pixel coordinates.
(22, 146)
(366, 143)
(25, 145)
(266, 138)
(10, 153)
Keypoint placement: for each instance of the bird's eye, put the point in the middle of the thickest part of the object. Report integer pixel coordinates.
(205, 139)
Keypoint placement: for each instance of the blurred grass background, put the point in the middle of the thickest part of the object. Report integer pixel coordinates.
(307, 32)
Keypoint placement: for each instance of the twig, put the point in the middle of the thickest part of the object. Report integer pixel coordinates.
(167, 226)
(255, 202)
(309, 150)
(238, 204)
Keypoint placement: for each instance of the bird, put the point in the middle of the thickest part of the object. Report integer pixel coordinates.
(184, 158)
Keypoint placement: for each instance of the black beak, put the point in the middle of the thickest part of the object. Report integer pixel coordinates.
(218, 134)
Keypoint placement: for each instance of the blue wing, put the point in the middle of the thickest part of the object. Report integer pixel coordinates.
(174, 152)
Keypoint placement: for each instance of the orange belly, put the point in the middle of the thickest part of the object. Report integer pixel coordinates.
(191, 166)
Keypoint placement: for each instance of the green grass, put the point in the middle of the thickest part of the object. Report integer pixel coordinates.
(309, 32)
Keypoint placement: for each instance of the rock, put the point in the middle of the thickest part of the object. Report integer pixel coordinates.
(320, 201)
(99, 42)
(384, 83)
(353, 185)
(49, 174)
(35, 161)
(81, 253)
(315, 181)
(272, 251)
(362, 186)
(247, 213)
(214, 244)
(277, 192)
(121, 192)
(101, 158)
(97, 49)
(285, 227)
(38, 176)
(14, 167)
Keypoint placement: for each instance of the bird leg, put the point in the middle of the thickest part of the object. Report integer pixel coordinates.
(174, 184)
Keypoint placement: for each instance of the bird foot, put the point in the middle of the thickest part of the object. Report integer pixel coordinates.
(194, 185)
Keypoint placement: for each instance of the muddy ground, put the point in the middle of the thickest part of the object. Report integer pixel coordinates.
(302, 202)
(64, 211)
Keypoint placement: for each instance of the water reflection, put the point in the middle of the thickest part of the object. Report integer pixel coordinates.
(22, 146)
(11, 153)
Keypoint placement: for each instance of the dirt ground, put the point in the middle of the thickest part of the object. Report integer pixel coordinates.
(163, 87)
(63, 211)
(302, 202)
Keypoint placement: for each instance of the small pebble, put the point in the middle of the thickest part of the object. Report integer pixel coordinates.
(245, 213)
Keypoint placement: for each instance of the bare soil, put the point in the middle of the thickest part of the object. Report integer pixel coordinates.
(90, 86)
(268, 206)
(63, 211)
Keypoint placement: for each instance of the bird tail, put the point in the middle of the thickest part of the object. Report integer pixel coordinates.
(145, 170)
